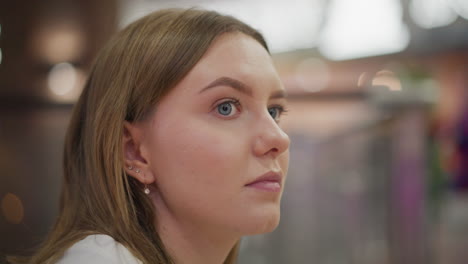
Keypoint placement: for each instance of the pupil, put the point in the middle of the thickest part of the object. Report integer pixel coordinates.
(273, 113)
(225, 109)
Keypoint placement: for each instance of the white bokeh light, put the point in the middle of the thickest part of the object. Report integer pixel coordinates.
(388, 79)
(460, 6)
(363, 28)
(65, 82)
(286, 25)
(432, 13)
(62, 79)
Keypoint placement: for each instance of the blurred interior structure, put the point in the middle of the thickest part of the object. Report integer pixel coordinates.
(378, 117)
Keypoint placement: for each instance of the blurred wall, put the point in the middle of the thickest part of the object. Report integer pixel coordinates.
(47, 47)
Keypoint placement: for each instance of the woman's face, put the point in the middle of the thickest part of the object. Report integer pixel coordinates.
(216, 133)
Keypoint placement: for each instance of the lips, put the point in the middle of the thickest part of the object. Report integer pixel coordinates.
(270, 181)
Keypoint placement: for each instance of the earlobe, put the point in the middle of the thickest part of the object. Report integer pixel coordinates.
(146, 190)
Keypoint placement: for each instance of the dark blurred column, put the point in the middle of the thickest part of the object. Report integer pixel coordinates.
(47, 47)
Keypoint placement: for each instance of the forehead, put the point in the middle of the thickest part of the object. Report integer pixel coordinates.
(237, 56)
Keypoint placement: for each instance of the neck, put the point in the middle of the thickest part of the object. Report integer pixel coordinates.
(189, 243)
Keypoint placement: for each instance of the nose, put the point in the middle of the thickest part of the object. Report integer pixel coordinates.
(270, 139)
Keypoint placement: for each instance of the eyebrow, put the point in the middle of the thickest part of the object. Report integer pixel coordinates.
(239, 86)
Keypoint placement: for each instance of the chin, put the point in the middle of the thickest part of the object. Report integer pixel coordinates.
(261, 224)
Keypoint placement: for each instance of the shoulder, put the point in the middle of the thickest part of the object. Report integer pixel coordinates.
(98, 249)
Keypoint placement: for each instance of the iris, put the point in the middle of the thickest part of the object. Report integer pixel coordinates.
(225, 108)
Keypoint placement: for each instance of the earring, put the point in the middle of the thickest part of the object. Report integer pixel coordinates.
(146, 190)
(130, 167)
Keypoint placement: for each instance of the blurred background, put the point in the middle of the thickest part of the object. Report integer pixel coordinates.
(378, 120)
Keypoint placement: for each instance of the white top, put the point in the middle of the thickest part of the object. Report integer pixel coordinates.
(95, 249)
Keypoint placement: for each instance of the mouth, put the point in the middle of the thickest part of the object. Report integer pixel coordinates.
(270, 181)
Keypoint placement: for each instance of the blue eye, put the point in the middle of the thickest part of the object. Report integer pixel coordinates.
(229, 108)
(225, 108)
(276, 111)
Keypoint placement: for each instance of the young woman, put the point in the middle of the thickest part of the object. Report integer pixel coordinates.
(174, 151)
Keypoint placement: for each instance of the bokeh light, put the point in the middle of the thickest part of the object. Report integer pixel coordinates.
(432, 13)
(461, 7)
(65, 82)
(281, 22)
(362, 80)
(312, 75)
(388, 79)
(58, 42)
(12, 208)
(363, 28)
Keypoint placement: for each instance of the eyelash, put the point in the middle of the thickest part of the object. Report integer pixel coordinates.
(236, 102)
(282, 110)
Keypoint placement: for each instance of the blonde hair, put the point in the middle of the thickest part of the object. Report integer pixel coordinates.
(129, 77)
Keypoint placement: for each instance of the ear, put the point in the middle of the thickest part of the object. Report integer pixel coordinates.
(135, 156)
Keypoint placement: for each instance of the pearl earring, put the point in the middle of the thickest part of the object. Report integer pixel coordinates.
(146, 190)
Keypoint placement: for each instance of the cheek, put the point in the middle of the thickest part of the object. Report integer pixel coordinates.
(199, 160)
(206, 151)
(200, 171)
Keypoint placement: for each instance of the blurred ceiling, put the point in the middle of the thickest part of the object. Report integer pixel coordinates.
(338, 29)
(46, 47)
